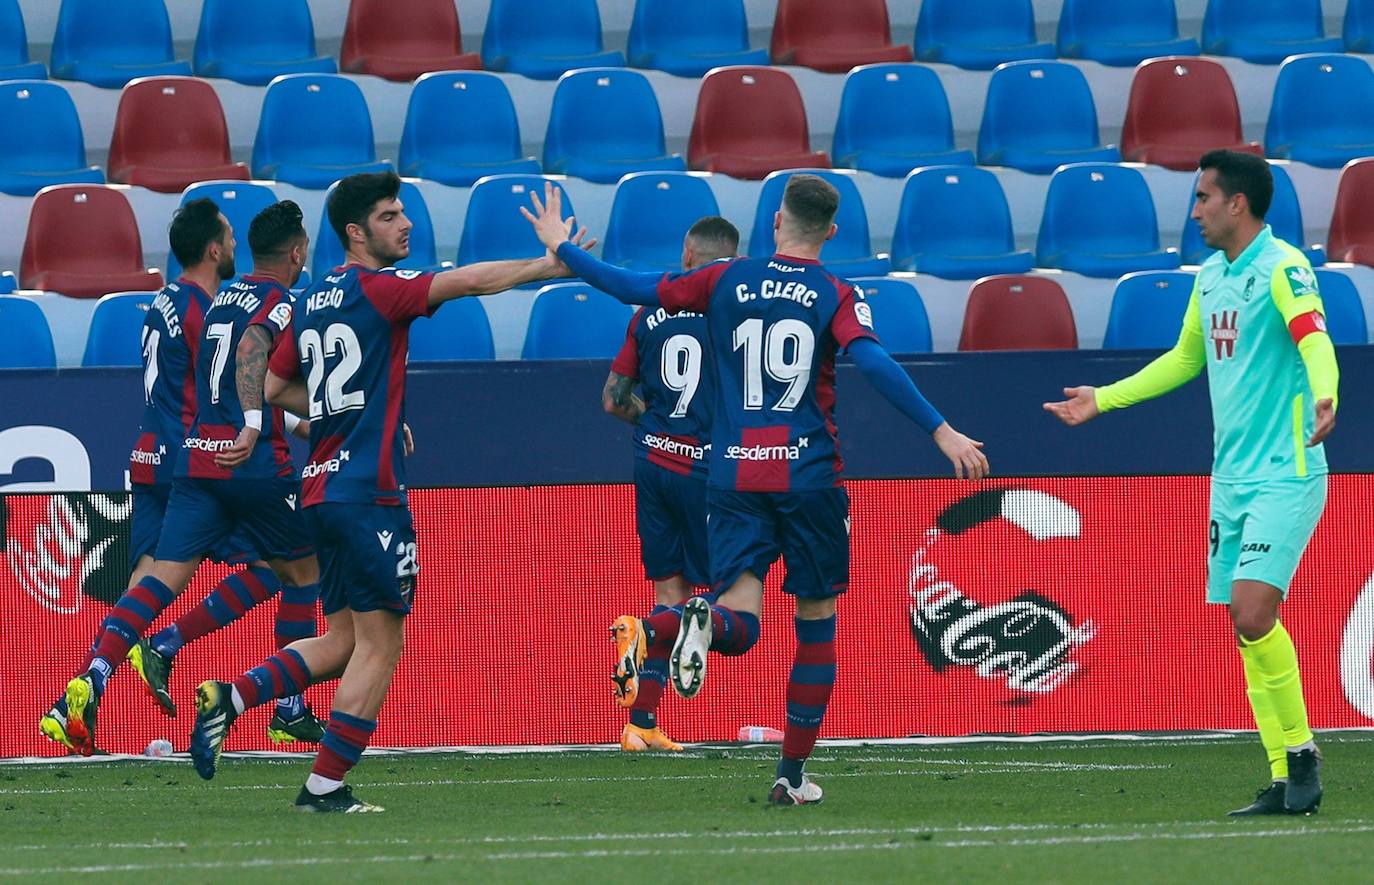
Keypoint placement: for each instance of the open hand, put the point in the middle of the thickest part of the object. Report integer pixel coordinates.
(1326, 422)
(547, 218)
(964, 453)
(1080, 406)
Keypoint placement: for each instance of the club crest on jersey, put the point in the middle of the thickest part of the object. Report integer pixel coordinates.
(864, 314)
(1301, 280)
(1249, 289)
(1224, 333)
(408, 274)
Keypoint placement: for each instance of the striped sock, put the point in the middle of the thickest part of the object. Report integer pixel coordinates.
(662, 626)
(296, 613)
(124, 625)
(732, 632)
(343, 744)
(653, 676)
(808, 691)
(280, 676)
(230, 600)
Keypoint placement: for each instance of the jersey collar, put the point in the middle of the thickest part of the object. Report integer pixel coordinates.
(793, 259)
(1243, 260)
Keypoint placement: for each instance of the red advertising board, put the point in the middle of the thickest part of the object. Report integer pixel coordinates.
(1052, 605)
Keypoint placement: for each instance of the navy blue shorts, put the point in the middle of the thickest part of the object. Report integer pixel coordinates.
(810, 530)
(203, 515)
(150, 510)
(670, 515)
(367, 556)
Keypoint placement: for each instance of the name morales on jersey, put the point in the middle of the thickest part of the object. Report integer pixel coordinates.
(325, 298)
(792, 290)
(661, 315)
(670, 446)
(333, 465)
(164, 305)
(768, 453)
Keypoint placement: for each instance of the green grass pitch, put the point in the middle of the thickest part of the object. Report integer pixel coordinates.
(1094, 811)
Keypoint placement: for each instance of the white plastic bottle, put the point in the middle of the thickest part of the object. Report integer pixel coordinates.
(159, 748)
(759, 734)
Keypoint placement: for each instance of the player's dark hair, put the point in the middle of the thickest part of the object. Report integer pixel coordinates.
(715, 237)
(194, 227)
(810, 201)
(354, 197)
(1239, 173)
(275, 228)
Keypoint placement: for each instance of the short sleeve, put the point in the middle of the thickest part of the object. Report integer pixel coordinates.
(854, 318)
(285, 361)
(398, 295)
(626, 361)
(691, 290)
(1294, 289)
(274, 315)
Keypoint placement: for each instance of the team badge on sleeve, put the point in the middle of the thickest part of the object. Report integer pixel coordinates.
(280, 316)
(408, 274)
(1301, 280)
(864, 314)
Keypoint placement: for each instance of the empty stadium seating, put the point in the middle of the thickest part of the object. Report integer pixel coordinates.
(689, 39)
(8, 282)
(145, 151)
(899, 315)
(980, 35)
(1121, 32)
(1180, 108)
(83, 241)
(252, 41)
(1265, 31)
(1284, 216)
(314, 130)
(1345, 319)
(605, 123)
(25, 339)
(1038, 116)
(239, 202)
(573, 321)
(544, 39)
(1352, 224)
(750, 122)
(1100, 221)
(1018, 313)
(1322, 112)
(402, 39)
(40, 139)
(954, 223)
(108, 44)
(849, 253)
(1147, 310)
(834, 37)
(893, 118)
(329, 252)
(114, 337)
(14, 46)
(1358, 31)
(460, 127)
(651, 214)
(493, 228)
(458, 330)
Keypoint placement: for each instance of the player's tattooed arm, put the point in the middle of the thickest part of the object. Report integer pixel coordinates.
(618, 398)
(250, 371)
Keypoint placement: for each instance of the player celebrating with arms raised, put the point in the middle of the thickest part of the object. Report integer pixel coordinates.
(1255, 320)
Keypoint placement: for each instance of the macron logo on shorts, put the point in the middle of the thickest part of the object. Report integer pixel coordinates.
(385, 538)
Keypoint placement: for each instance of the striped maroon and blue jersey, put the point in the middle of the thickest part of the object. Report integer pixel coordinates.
(171, 341)
(671, 357)
(250, 301)
(775, 325)
(349, 337)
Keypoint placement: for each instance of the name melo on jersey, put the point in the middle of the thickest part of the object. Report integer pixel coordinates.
(325, 298)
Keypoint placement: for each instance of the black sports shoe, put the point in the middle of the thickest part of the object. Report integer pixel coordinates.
(341, 800)
(155, 669)
(1304, 781)
(1267, 801)
(305, 728)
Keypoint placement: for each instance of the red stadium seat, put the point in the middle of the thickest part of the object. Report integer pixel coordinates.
(834, 37)
(1016, 312)
(750, 122)
(169, 132)
(402, 39)
(83, 241)
(1352, 226)
(1179, 109)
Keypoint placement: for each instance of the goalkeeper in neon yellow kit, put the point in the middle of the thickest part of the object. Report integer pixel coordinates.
(1256, 321)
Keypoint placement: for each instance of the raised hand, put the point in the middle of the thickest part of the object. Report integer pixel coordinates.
(549, 225)
(1080, 406)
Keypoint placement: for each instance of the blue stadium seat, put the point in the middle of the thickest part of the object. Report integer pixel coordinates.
(650, 215)
(1322, 112)
(8, 282)
(1100, 221)
(1038, 116)
(954, 222)
(1284, 216)
(1345, 320)
(458, 330)
(1147, 310)
(1358, 30)
(493, 228)
(240, 201)
(899, 314)
(314, 130)
(108, 44)
(329, 252)
(461, 126)
(1121, 32)
(14, 46)
(573, 321)
(605, 123)
(544, 39)
(1265, 31)
(40, 139)
(979, 35)
(689, 39)
(894, 118)
(849, 253)
(25, 339)
(252, 41)
(114, 337)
